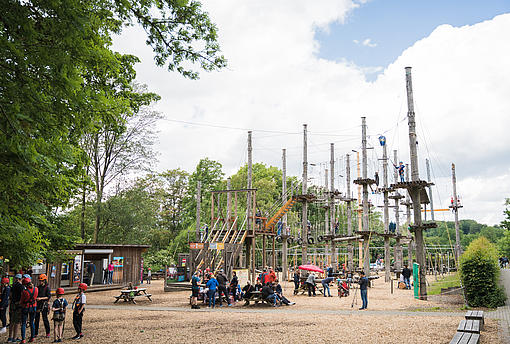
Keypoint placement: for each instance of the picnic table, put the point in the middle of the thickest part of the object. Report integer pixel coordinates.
(129, 295)
(256, 296)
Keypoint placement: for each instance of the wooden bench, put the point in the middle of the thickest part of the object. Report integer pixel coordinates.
(475, 315)
(470, 326)
(129, 295)
(256, 296)
(465, 338)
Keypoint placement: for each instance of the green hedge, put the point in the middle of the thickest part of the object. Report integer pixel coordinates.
(480, 275)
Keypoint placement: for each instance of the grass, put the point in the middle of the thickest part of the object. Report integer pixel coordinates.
(446, 282)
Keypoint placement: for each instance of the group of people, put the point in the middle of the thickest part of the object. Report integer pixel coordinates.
(27, 304)
(503, 262)
(213, 286)
(216, 287)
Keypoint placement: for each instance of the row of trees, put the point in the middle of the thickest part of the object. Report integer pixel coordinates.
(68, 102)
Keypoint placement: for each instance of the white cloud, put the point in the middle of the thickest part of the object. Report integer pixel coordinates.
(368, 43)
(275, 81)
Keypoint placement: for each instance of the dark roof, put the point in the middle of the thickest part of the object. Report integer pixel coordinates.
(82, 246)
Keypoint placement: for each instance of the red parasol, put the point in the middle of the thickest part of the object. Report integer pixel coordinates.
(310, 267)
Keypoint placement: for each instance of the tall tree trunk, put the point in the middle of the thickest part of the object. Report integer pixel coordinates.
(82, 220)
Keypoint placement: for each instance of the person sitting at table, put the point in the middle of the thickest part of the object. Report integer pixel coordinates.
(258, 285)
(279, 292)
(269, 294)
(247, 290)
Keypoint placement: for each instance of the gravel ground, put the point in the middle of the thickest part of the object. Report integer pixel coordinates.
(276, 325)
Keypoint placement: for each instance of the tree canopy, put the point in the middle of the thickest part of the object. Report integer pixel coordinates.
(59, 78)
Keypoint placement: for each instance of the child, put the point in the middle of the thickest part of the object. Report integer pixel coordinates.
(59, 315)
(78, 308)
(29, 304)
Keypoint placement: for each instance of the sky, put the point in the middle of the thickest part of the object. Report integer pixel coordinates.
(328, 63)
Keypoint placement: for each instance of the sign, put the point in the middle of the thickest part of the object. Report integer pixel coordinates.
(216, 246)
(183, 262)
(77, 269)
(53, 271)
(141, 270)
(196, 245)
(243, 276)
(382, 140)
(118, 262)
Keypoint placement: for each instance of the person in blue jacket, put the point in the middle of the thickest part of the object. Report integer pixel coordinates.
(212, 285)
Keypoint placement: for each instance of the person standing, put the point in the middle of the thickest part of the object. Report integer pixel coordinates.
(28, 304)
(59, 315)
(78, 308)
(296, 279)
(233, 286)
(149, 275)
(325, 285)
(110, 273)
(363, 288)
(310, 283)
(212, 285)
(43, 299)
(15, 308)
(222, 287)
(4, 303)
(91, 269)
(195, 281)
(406, 273)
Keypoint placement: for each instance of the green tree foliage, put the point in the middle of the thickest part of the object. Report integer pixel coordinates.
(506, 222)
(480, 274)
(504, 245)
(58, 75)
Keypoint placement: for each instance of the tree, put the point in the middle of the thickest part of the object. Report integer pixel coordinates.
(51, 53)
(504, 245)
(506, 222)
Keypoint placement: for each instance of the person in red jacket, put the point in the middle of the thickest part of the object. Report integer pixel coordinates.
(28, 304)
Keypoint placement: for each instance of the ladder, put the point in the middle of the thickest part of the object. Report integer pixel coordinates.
(279, 214)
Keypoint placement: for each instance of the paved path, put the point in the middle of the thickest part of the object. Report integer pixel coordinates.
(280, 310)
(503, 313)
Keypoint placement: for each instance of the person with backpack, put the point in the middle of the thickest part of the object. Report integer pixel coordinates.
(59, 315)
(28, 307)
(43, 299)
(4, 303)
(78, 309)
(15, 308)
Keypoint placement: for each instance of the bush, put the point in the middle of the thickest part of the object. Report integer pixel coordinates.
(480, 275)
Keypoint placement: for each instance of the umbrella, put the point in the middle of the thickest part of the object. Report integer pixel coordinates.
(310, 267)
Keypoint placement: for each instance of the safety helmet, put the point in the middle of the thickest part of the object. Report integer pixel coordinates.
(82, 286)
(5, 280)
(43, 277)
(18, 276)
(59, 291)
(27, 276)
(26, 280)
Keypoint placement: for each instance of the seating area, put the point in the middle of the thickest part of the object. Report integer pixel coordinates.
(468, 331)
(129, 295)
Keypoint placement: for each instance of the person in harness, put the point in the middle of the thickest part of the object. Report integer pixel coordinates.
(43, 299)
(400, 168)
(28, 307)
(78, 309)
(59, 315)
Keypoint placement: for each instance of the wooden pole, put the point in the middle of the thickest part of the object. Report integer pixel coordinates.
(332, 215)
(416, 191)
(408, 223)
(229, 204)
(360, 243)
(386, 219)
(199, 199)
(284, 220)
(456, 214)
(430, 190)
(304, 217)
(249, 217)
(366, 261)
(350, 249)
(326, 213)
(398, 247)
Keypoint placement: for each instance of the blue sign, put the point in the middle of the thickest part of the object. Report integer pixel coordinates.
(382, 140)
